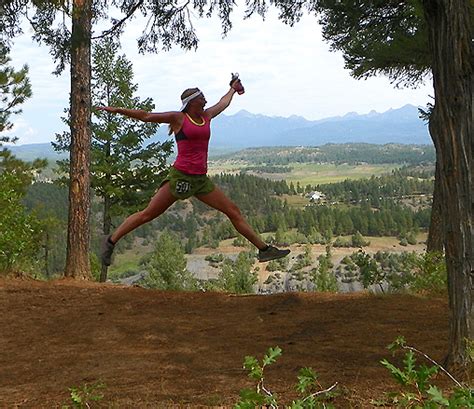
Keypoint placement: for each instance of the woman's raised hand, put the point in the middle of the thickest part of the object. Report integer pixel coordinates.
(112, 110)
(236, 84)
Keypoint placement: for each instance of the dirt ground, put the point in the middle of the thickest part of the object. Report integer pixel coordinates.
(157, 349)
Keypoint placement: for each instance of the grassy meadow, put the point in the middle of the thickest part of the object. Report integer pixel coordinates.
(308, 173)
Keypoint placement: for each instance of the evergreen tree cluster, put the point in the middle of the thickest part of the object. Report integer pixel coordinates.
(395, 271)
(47, 200)
(259, 200)
(266, 212)
(49, 203)
(350, 153)
(376, 190)
(19, 230)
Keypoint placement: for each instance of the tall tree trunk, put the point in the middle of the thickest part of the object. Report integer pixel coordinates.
(452, 123)
(435, 233)
(107, 226)
(107, 219)
(77, 259)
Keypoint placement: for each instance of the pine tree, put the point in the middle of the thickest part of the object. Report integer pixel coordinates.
(322, 277)
(15, 89)
(237, 276)
(450, 32)
(125, 169)
(167, 266)
(69, 38)
(357, 240)
(19, 231)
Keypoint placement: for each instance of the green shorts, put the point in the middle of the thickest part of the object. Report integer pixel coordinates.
(183, 185)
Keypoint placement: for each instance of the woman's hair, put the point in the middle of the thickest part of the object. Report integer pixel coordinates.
(186, 93)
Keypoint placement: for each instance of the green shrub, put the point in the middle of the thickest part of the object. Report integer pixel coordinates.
(82, 397)
(411, 238)
(237, 276)
(417, 391)
(429, 273)
(239, 241)
(341, 242)
(370, 272)
(215, 258)
(322, 277)
(167, 266)
(311, 391)
(19, 231)
(95, 266)
(280, 264)
(406, 271)
(303, 260)
(357, 240)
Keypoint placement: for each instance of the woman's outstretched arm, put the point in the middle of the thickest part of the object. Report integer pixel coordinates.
(161, 117)
(235, 86)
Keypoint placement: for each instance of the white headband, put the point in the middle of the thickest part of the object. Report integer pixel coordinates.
(186, 100)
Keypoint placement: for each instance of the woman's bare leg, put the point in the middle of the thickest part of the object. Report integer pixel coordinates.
(162, 200)
(219, 201)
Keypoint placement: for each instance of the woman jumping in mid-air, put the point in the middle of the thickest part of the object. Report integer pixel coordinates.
(188, 175)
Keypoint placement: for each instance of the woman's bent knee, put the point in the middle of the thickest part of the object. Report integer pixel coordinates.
(234, 214)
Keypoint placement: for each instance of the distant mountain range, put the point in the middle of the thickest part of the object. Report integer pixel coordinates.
(244, 129)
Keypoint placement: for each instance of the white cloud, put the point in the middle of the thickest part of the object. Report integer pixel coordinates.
(21, 129)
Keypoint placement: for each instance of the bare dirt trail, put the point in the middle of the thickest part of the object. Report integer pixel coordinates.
(160, 349)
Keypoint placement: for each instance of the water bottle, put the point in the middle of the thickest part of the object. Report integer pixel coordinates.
(240, 90)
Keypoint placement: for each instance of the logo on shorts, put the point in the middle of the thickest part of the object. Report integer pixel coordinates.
(182, 187)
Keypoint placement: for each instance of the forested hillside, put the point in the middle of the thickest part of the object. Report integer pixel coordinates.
(351, 153)
(395, 204)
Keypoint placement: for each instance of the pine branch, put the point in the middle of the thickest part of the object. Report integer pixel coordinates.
(120, 23)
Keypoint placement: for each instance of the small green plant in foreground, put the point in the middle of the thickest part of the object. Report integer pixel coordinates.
(417, 392)
(83, 397)
(307, 386)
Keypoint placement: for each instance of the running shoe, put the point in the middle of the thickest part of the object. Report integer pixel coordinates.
(106, 251)
(271, 253)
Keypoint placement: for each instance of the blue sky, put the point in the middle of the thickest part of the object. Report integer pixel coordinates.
(285, 70)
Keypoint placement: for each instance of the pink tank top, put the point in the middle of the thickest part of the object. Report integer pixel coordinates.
(193, 144)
